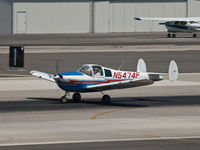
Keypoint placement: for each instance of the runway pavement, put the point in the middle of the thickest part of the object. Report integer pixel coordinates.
(160, 38)
(184, 144)
(157, 61)
(166, 113)
(161, 116)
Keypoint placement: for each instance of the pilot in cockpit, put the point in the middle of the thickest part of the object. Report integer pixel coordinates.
(96, 72)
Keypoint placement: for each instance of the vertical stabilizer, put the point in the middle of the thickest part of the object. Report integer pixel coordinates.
(141, 66)
(173, 71)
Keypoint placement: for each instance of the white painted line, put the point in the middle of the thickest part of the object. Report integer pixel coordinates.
(98, 141)
(103, 50)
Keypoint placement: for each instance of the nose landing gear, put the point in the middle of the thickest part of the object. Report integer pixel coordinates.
(64, 99)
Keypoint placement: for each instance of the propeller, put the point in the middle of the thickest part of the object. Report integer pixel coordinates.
(57, 76)
(57, 67)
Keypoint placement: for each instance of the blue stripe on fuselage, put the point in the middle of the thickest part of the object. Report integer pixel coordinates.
(78, 87)
(81, 87)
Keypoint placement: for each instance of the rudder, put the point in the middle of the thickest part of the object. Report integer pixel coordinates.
(141, 66)
(173, 71)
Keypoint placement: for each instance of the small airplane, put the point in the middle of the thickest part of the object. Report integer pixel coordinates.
(96, 78)
(174, 25)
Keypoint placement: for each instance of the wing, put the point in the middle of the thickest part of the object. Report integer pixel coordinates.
(119, 85)
(43, 75)
(169, 19)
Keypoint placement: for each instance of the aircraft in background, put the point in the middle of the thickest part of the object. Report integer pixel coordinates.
(96, 78)
(174, 25)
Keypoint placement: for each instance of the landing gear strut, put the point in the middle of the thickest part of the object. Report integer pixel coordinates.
(76, 97)
(63, 99)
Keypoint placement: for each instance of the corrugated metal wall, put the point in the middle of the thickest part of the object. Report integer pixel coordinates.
(74, 16)
(54, 17)
(101, 16)
(117, 15)
(194, 8)
(5, 16)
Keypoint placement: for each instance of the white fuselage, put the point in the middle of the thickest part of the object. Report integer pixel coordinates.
(177, 26)
(79, 81)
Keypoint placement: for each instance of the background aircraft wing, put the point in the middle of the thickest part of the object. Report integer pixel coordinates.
(169, 19)
(43, 75)
(119, 85)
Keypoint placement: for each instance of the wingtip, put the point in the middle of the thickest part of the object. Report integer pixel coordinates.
(32, 71)
(136, 18)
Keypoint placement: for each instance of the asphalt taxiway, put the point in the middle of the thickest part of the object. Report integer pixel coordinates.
(31, 116)
(105, 39)
(165, 144)
(161, 116)
(39, 58)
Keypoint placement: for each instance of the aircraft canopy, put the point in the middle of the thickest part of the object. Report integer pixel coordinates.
(91, 70)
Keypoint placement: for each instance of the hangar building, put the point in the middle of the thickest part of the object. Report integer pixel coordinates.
(85, 16)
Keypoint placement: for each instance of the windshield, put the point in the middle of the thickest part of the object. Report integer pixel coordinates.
(86, 70)
(193, 22)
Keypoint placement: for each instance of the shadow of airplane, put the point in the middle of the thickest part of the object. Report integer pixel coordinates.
(45, 104)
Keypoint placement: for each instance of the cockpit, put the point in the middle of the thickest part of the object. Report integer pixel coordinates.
(92, 70)
(86, 70)
(192, 22)
(179, 23)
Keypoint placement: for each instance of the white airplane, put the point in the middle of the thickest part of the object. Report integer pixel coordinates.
(96, 78)
(174, 25)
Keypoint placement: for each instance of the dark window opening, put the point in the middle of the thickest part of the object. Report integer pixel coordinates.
(108, 73)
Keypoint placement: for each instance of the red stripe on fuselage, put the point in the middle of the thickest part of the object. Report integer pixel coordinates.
(72, 82)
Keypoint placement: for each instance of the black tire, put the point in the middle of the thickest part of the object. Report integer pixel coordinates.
(168, 35)
(76, 97)
(106, 99)
(173, 35)
(194, 35)
(63, 100)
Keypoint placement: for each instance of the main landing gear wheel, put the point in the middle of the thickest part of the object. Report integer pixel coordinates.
(194, 35)
(76, 97)
(168, 35)
(106, 99)
(173, 35)
(63, 99)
